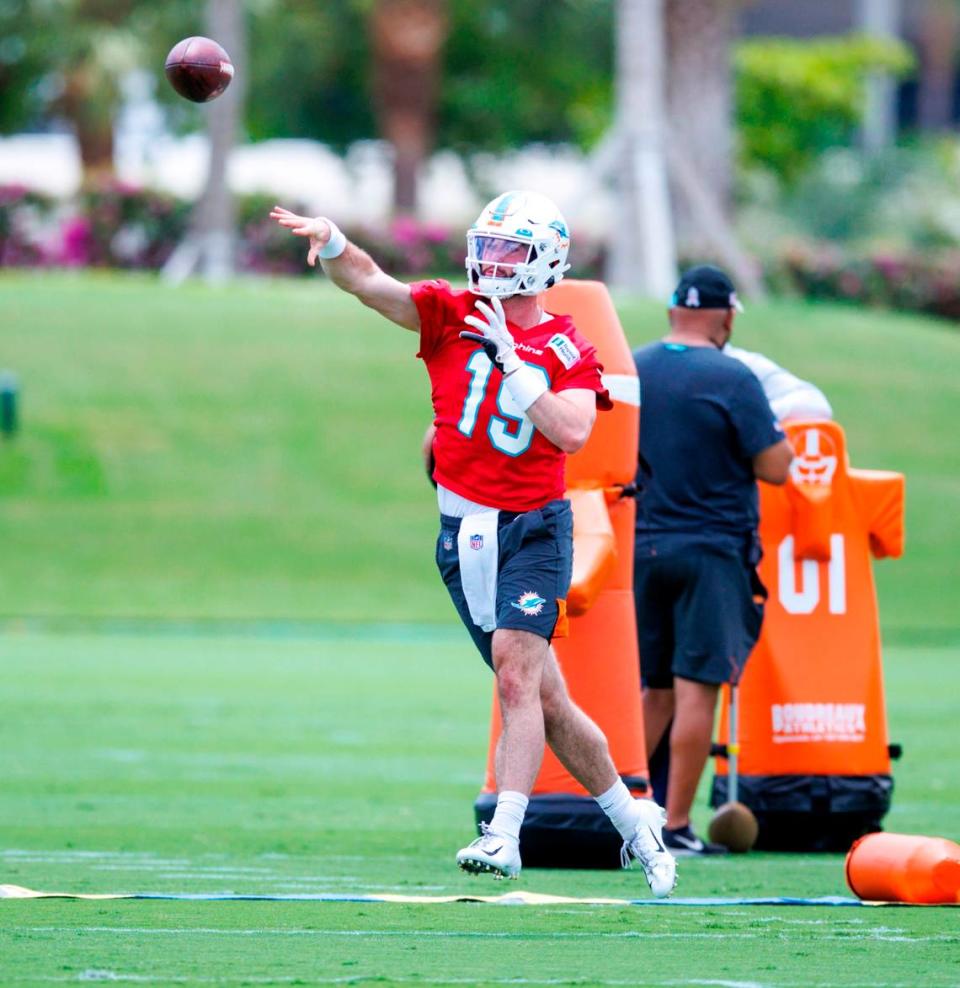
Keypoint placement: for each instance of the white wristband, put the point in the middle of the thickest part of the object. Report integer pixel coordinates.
(336, 245)
(526, 385)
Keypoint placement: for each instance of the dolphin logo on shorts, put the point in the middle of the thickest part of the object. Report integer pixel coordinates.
(530, 603)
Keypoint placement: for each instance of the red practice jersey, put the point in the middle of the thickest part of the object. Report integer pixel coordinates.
(486, 449)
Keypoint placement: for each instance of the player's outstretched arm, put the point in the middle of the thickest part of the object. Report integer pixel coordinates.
(351, 268)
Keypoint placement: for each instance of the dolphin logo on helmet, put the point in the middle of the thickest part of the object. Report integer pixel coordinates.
(518, 246)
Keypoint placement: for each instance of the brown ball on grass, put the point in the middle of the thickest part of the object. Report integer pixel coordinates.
(735, 827)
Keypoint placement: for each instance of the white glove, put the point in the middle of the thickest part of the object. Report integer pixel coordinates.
(524, 383)
(494, 336)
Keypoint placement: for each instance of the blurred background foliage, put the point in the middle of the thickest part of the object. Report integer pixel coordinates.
(796, 99)
(817, 211)
(506, 79)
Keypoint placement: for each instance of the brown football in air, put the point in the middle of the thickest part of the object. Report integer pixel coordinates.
(199, 69)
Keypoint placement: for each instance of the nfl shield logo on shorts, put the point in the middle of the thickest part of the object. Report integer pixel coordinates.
(476, 541)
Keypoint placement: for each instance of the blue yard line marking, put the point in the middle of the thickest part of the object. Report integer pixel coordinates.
(519, 897)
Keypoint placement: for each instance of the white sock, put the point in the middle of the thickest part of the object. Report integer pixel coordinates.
(618, 803)
(508, 815)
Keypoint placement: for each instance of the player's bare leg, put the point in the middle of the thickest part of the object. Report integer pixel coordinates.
(519, 658)
(658, 707)
(518, 661)
(690, 739)
(572, 735)
(582, 748)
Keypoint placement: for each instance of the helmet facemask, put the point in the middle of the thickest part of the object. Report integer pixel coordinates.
(497, 265)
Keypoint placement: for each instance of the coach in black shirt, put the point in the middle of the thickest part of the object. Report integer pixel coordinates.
(707, 434)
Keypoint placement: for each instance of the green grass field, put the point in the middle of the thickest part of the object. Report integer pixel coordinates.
(253, 452)
(349, 766)
(227, 664)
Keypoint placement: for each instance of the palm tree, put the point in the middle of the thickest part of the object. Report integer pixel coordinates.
(407, 39)
(882, 19)
(700, 35)
(939, 29)
(89, 46)
(643, 256)
(209, 246)
(700, 141)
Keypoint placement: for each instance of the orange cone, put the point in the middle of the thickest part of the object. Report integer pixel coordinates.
(905, 868)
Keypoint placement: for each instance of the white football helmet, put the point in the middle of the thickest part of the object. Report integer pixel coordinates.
(518, 246)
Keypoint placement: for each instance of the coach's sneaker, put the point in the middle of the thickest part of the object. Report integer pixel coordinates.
(659, 865)
(682, 842)
(492, 854)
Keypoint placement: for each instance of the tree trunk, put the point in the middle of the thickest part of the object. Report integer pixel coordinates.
(700, 35)
(643, 257)
(881, 19)
(407, 38)
(938, 63)
(210, 246)
(89, 101)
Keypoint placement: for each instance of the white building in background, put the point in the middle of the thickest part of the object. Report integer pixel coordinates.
(47, 163)
(356, 188)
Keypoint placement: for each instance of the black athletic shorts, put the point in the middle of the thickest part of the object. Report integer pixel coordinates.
(699, 613)
(535, 565)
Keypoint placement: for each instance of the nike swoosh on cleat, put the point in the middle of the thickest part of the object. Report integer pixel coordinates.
(656, 839)
(691, 845)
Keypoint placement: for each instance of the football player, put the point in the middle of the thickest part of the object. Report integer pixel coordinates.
(515, 389)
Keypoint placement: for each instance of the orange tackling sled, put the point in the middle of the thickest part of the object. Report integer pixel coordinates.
(564, 827)
(814, 755)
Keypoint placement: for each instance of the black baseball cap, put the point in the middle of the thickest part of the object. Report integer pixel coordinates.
(705, 287)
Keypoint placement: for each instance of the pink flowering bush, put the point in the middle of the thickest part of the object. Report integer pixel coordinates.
(23, 216)
(406, 247)
(919, 282)
(116, 225)
(123, 226)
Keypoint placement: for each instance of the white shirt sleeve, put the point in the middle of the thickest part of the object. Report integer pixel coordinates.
(789, 396)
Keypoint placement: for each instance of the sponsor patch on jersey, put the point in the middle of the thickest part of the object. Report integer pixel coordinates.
(564, 348)
(529, 603)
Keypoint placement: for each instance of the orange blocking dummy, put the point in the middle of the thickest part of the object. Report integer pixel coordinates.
(814, 757)
(564, 827)
(905, 868)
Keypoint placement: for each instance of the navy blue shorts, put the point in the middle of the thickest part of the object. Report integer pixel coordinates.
(699, 614)
(533, 575)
